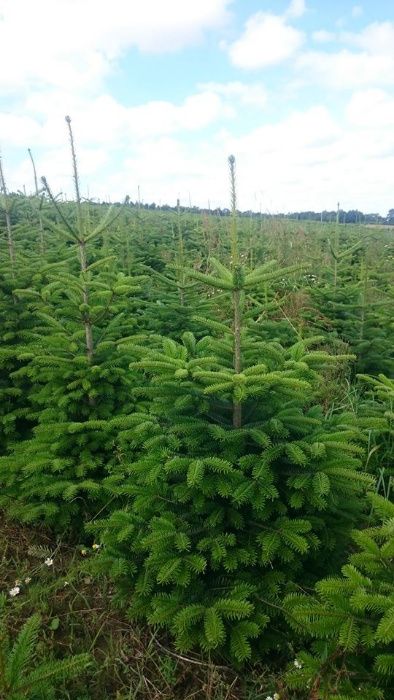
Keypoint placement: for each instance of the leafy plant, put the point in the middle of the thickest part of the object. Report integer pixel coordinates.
(376, 415)
(21, 676)
(352, 619)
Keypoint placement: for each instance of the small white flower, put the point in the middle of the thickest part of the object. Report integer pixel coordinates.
(95, 546)
(27, 579)
(269, 697)
(14, 591)
(84, 552)
(65, 584)
(297, 663)
(276, 696)
(18, 582)
(48, 562)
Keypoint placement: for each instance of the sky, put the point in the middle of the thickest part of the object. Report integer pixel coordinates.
(161, 92)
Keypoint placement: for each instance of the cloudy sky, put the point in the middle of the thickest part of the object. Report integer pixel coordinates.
(161, 91)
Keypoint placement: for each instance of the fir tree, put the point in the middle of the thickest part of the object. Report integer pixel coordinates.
(80, 384)
(356, 306)
(352, 619)
(376, 415)
(21, 676)
(232, 478)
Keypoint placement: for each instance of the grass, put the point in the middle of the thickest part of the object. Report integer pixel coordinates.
(78, 615)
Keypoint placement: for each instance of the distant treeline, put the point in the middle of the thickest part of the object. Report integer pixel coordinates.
(352, 216)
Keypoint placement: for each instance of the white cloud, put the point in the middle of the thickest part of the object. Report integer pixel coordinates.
(306, 160)
(296, 8)
(365, 58)
(346, 69)
(310, 127)
(104, 131)
(267, 40)
(372, 109)
(103, 120)
(74, 44)
(322, 36)
(18, 129)
(311, 159)
(376, 38)
(239, 93)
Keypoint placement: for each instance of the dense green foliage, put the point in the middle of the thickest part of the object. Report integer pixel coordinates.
(352, 616)
(222, 509)
(183, 387)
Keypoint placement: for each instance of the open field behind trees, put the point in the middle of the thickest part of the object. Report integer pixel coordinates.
(196, 440)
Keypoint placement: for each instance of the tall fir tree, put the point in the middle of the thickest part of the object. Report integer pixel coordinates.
(80, 384)
(232, 478)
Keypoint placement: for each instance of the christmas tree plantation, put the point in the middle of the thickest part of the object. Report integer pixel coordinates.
(179, 391)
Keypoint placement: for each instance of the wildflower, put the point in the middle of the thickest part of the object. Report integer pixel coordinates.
(276, 696)
(269, 697)
(66, 583)
(297, 663)
(14, 591)
(48, 561)
(27, 579)
(95, 546)
(18, 582)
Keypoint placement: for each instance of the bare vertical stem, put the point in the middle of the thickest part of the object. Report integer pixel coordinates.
(138, 216)
(234, 227)
(85, 294)
(74, 161)
(10, 240)
(76, 182)
(127, 240)
(181, 257)
(237, 320)
(82, 247)
(336, 248)
(236, 294)
(363, 295)
(36, 193)
(34, 171)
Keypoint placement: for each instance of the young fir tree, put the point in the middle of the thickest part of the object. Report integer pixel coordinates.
(232, 479)
(376, 415)
(354, 301)
(172, 297)
(80, 384)
(21, 674)
(18, 265)
(352, 620)
(17, 318)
